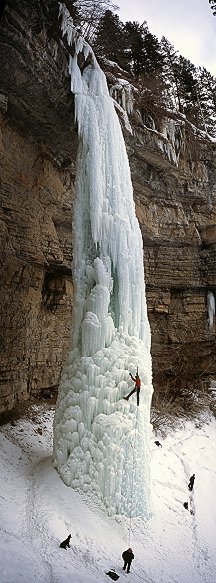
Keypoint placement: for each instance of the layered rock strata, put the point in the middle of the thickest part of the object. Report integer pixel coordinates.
(174, 181)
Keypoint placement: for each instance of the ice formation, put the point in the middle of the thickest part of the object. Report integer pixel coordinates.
(122, 92)
(173, 133)
(211, 308)
(101, 442)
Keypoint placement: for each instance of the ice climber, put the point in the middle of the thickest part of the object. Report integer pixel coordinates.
(127, 557)
(136, 389)
(191, 483)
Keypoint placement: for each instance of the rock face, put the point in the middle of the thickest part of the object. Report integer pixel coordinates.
(176, 207)
(175, 193)
(38, 151)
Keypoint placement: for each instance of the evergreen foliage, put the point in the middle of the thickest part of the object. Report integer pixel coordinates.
(110, 40)
(213, 6)
(170, 74)
(187, 85)
(135, 37)
(143, 49)
(206, 92)
(153, 55)
(164, 79)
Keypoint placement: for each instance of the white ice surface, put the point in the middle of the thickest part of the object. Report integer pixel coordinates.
(95, 430)
(37, 511)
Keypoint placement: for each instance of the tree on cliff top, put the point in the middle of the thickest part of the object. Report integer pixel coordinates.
(206, 92)
(110, 27)
(87, 14)
(213, 6)
(143, 49)
(156, 67)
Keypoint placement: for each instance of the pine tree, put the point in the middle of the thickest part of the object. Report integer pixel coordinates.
(135, 35)
(162, 75)
(153, 55)
(170, 73)
(110, 40)
(186, 74)
(206, 91)
(182, 74)
(213, 6)
(190, 90)
(144, 49)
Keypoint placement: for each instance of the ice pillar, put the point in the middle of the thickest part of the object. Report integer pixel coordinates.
(101, 442)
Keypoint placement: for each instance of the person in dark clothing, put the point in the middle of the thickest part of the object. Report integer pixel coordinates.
(66, 543)
(158, 443)
(191, 483)
(127, 557)
(136, 389)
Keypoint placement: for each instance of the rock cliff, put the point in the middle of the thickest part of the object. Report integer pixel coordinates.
(174, 181)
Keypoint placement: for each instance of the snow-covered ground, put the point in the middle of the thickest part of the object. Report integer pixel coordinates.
(37, 511)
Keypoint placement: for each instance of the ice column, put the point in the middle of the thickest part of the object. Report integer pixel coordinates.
(211, 308)
(101, 442)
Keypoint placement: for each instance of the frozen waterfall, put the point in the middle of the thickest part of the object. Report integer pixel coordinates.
(101, 442)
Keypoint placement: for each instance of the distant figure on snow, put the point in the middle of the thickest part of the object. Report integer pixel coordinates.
(65, 543)
(158, 443)
(191, 483)
(127, 557)
(136, 389)
(185, 505)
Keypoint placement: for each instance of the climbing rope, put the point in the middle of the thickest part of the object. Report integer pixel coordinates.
(133, 446)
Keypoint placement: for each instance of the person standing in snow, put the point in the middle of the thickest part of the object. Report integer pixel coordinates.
(136, 389)
(127, 557)
(191, 483)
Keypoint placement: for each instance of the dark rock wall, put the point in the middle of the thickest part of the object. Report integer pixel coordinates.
(176, 208)
(38, 143)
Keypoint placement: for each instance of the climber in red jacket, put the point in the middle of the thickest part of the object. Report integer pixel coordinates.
(136, 389)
